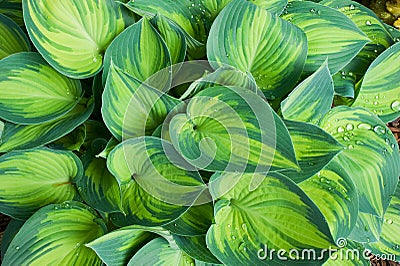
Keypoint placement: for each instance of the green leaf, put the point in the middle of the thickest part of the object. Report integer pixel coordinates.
(156, 162)
(195, 221)
(95, 131)
(330, 34)
(314, 149)
(12, 38)
(195, 247)
(39, 93)
(253, 40)
(367, 229)
(117, 247)
(140, 52)
(131, 108)
(109, 147)
(372, 156)
(13, 10)
(97, 186)
(55, 235)
(232, 129)
(276, 215)
(311, 99)
(173, 36)
(11, 230)
(380, 88)
(34, 178)
(72, 142)
(72, 35)
(389, 242)
(334, 193)
(159, 253)
(30, 136)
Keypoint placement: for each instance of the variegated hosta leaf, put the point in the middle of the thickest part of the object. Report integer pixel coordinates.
(72, 35)
(72, 142)
(367, 229)
(389, 242)
(248, 224)
(13, 10)
(350, 254)
(138, 164)
(314, 149)
(334, 193)
(131, 108)
(195, 247)
(117, 247)
(12, 38)
(109, 147)
(97, 186)
(191, 16)
(380, 88)
(32, 92)
(56, 235)
(12, 229)
(367, 21)
(330, 34)
(30, 136)
(158, 252)
(311, 99)
(34, 178)
(234, 130)
(195, 221)
(253, 40)
(140, 52)
(173, 37)
(372, 156)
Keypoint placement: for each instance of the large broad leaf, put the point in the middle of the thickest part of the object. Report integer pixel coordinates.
(31, 136)
(131, 108)
(140, 163)
(372, 156)
(276, 215)
(97, 186)
(140, 52)
(253, 40)
(334, 193)
(32, 92)
(195, 247)
(195, 221)
(367, 229)
(12, 38)
(311, 99)
(330, 34)
(56, 235)
(117, 248)
(232, 129)
(158, 252)
(13, 10)
(314, 149)
(72, 35)
(35, 178)
(380, 88)
(191, 16)
(389, 242)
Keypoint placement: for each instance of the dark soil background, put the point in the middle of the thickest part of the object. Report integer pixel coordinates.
(389, 12)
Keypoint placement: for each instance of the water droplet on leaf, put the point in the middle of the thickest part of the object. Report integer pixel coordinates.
(395, 106)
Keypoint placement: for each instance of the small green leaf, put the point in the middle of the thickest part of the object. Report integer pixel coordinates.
(311, 99)
(34, 178)
(330, 34)
(84, 30)
(276, 215)
(253, 40)
(12, 38)
(39, 93)
(72, 225)
(30, 136)
(117, 247)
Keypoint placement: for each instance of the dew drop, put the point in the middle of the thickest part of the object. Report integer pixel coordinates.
(242, 246)
(352, 7)
(244, 227)
(345, 138)
(17, 248)
(380, 130)
(95, 59)
(322, 179)
(340, 129)
(359, 142)
(375, 103)
(229, 225)
(349, 127)
(312, 10)
(390, 221)
(368, 23)
(233, 237)
(350, 147)
(395, 106)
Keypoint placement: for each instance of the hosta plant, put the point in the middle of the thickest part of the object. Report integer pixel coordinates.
(198, 132)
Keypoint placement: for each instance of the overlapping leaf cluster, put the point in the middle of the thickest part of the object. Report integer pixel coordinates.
(197, 132)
